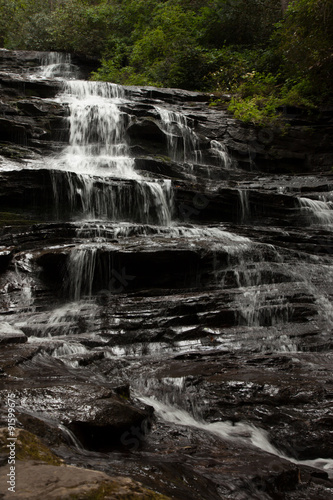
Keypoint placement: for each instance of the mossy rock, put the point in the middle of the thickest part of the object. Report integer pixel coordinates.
(30, 452)
(113, 490)
(28, 447)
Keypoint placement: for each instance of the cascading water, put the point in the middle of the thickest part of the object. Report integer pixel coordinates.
(97, 144)
(317, 211)
(98, 170)
(244, 204)
(57, 65)
(183, 144)
(239, 432)
(222, 154)
(247, 297)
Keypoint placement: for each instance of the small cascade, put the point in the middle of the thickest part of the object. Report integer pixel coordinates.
(81, 271)
(244, 204)
(68, 349)
(62, 322)
(318, 212)
(220, 151)
(23, 266)
(326, 196)
(57, 65)
(102, 232)
(261, 307)
(90, 197)
(71, 438)
(172, 391)
(183, 143)
(238, 432)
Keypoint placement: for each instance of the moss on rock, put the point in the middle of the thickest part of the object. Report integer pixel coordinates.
(28, 446)
(116, 491)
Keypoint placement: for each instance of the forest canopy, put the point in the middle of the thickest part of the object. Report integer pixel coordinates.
(265, 52)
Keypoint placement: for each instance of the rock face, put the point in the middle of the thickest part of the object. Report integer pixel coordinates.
(58, 481)
(165, 289)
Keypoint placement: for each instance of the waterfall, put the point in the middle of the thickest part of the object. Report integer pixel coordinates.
(183, 144)
(98, 179)
(57, 65)
(70, 436)
(244, 203)
(221, 320)
(239, 431)
(221, 152)
(260, 307)
(81, 271)
(317, 211)
(91, 197)
(97, 143)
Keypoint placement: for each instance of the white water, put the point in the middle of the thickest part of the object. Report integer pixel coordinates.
(217, 233)
(81, 271)
(71, 437)
(97, 152)
(221, 152)
(319, 212)
(244, 203)
(182, 141)
(56, 65)
(97, 144)
(263, 306)
(97, 157)
(240, 432)
(61, 322)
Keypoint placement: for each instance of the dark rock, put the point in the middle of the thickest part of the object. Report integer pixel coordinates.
(146, 130)
(98, 416)
(6, 255)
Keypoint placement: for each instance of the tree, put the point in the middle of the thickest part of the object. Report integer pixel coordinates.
(305, 39)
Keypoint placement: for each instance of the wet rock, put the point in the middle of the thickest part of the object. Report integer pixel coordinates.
(44, 429)
(97, 416)
(169, 95)
(10, 335)
(146, 129)
(6, 255)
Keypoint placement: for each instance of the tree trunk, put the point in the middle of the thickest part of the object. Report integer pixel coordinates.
(284, 5)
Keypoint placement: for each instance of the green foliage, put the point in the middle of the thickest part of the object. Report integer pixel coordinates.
(305, 40)
(232, 67)
(244, 47)
(260, 98)
(110, 71)
(240, 22)
(16, 16)
(256, 110)
(77, 26)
